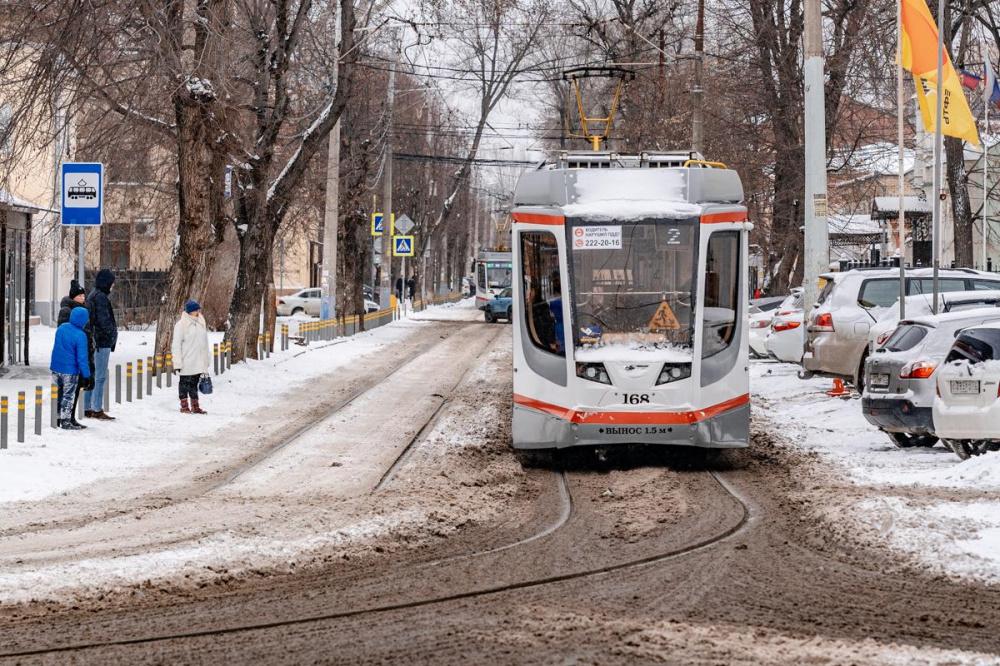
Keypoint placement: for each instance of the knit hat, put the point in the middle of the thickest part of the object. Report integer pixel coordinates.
(75, 289)
(191, 306)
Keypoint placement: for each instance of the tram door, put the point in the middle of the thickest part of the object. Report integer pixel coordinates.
(541, 318)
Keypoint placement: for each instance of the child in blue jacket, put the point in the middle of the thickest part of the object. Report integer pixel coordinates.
(70, 363)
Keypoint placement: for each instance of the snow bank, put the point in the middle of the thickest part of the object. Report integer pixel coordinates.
(928, 519)
(630, 195)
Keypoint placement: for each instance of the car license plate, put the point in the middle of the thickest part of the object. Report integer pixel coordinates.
(965, 386)
(879, 380)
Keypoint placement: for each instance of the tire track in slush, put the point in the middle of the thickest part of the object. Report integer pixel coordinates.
(747, 518)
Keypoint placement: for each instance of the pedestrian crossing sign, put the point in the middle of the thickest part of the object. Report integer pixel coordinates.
(402, 246)
(378, 224)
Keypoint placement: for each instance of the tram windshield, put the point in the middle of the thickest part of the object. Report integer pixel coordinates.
(633, 290)
(498, 275)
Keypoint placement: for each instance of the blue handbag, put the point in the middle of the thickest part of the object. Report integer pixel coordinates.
(205, 385)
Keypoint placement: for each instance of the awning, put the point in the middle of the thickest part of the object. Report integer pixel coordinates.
(9, 201)
(886, 208)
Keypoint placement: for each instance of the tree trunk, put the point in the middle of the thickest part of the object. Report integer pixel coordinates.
(200, 173)
(252, 277)
(786, 237)
(961, 207)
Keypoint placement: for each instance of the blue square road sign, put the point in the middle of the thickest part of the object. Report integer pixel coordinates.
(82, 194)
(402, 246)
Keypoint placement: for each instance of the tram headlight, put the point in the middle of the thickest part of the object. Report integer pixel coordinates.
(673, 372)
(595, 372)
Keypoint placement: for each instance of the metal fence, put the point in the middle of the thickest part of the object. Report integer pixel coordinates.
(137, 295)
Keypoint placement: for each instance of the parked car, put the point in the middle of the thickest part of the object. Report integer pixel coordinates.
(304, 301)
(500, 307)
(761, 317)
(966, 410)
(759, 324)
(851, 302)
(920, 305)
(767, 303)
(899, 394)
(786, 339)
(371, 306)
(369, 293)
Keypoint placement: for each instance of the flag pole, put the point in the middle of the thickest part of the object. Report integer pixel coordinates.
(986, 176)
(901, 214)
(936, 186)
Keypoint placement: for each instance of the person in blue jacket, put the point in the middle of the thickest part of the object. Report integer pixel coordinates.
(70, 364)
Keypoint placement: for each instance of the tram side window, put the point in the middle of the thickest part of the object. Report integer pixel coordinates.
(721, 291)
(542, 291)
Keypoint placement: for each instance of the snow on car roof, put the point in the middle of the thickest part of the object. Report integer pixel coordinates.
(951, 317)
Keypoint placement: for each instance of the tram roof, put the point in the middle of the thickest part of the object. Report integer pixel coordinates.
(628, 187)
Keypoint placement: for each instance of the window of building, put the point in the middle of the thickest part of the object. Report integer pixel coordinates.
(542, 291)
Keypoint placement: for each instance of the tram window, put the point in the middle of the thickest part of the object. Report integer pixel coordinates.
(481, 271)
(542, 291)
(721, 291)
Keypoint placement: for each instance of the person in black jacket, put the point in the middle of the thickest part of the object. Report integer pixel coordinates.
(105, 331)
(76, 299)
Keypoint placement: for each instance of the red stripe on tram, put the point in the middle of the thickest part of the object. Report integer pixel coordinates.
(537, 218)
(637, 418)
(719, 218)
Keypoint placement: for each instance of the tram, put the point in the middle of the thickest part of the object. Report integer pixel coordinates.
(493, 275)
(630, 303)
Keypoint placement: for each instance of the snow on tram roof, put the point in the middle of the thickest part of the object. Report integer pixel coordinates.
(630, 194)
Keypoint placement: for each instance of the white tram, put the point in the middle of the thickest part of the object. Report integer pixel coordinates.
(630, 303)
(493, 275)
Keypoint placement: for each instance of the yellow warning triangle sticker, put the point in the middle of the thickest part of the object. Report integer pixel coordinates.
(664, 319)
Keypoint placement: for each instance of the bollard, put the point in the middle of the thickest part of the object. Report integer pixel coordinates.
(260, 343)
(284, 337)
(229, 354)
(170, 369)
(55, 407)
(267, 344)
(149, 376)
(38, 410)
(80, 406)
(159, 371)
(128, 382)
(3, 422)
(118, 383)
(215, 357)
(222, 357)
(20, 416)
(138, 379)
(106, 398)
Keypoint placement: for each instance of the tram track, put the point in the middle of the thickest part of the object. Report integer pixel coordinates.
(565, 493)
(221, 478)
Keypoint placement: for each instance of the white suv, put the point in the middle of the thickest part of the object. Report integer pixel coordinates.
(967, 407)
(852, 302)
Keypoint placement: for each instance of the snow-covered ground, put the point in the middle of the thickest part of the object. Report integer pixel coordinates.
(152, 430)
(925, 502)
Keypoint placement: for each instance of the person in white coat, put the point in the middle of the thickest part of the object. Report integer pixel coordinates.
(191, 355)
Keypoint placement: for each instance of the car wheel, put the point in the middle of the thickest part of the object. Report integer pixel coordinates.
(510, 315)
(907, 441)
(859, 377)
(489, 315)
(963, 448)
(296, 311)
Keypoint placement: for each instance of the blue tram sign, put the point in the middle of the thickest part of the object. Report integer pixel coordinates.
(82, 194)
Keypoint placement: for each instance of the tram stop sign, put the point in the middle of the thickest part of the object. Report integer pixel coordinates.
(82, 194)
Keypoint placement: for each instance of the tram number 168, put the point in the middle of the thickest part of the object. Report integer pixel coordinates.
(636, 399)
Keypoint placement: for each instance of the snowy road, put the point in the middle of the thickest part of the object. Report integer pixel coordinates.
(419, 538)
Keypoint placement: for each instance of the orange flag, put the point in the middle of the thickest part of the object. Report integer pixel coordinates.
(919, 56)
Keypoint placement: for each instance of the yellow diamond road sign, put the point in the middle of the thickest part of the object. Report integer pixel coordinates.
(402, 246)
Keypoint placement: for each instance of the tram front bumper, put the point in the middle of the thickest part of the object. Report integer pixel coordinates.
(538, 430)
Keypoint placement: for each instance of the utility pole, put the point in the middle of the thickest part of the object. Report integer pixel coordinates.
(697, 94)
(331, 217)
(386, 282)
(817, 242)
(331, 220)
